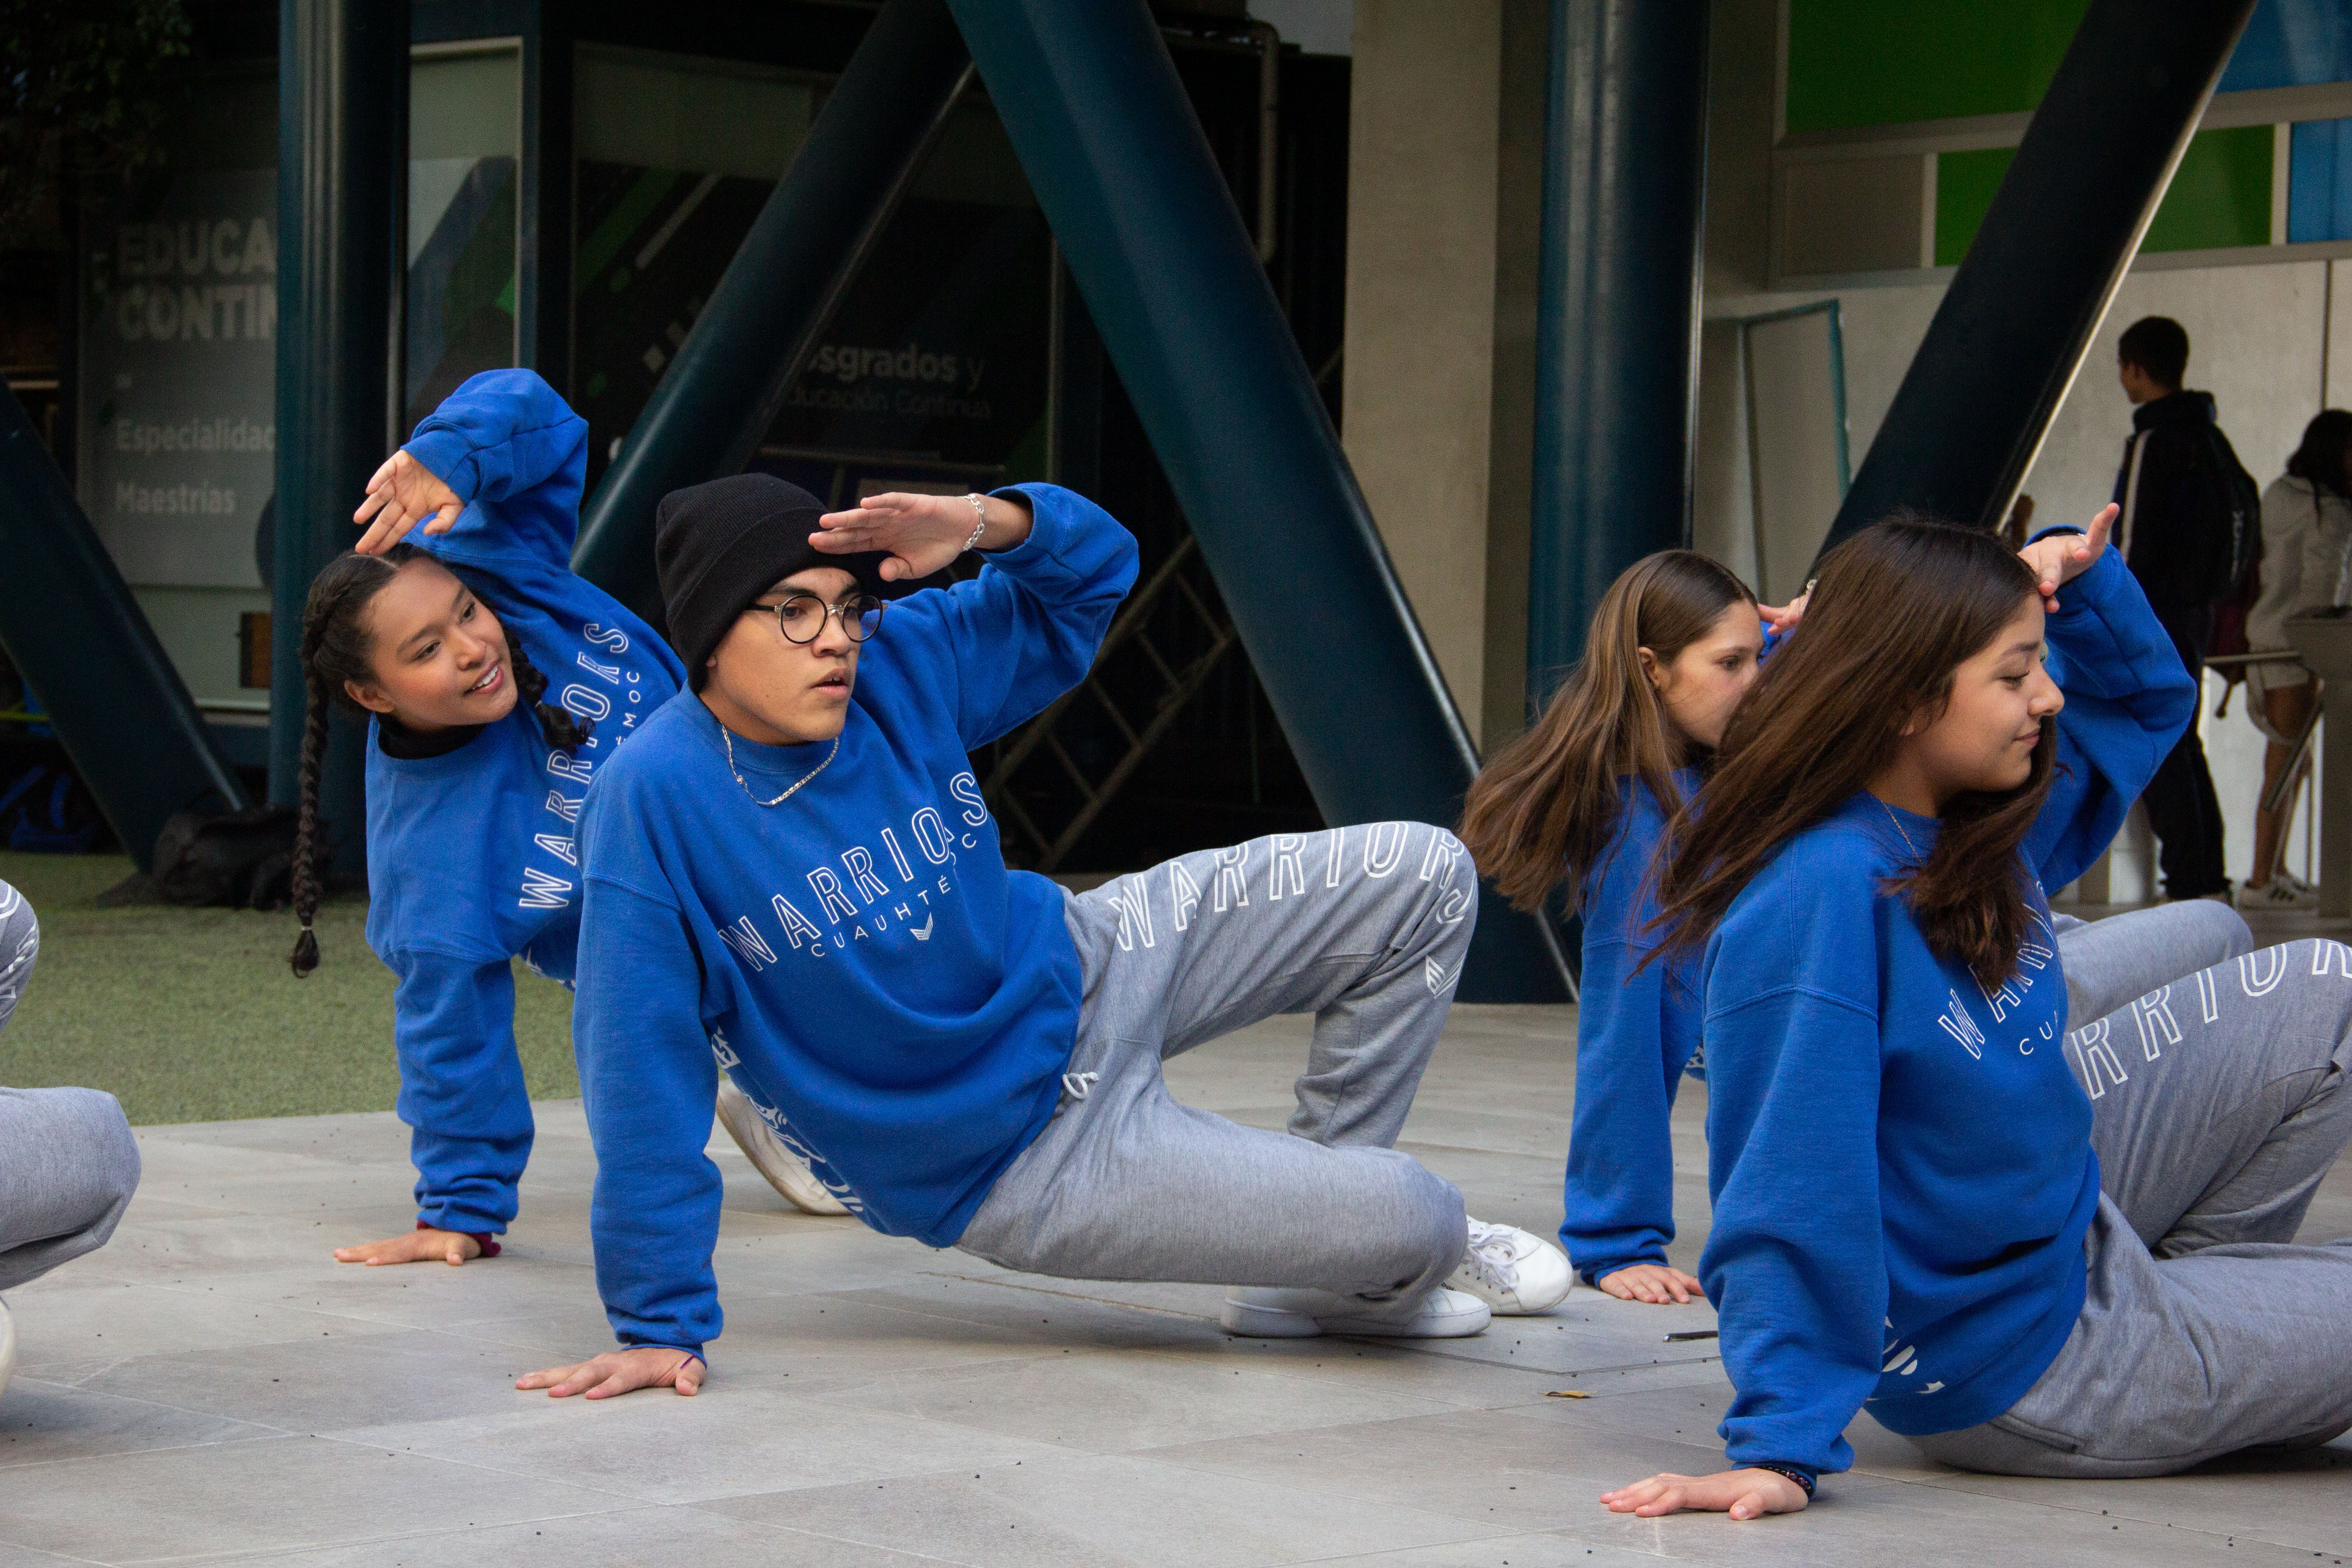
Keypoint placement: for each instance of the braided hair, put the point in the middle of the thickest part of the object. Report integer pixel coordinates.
(337, 647)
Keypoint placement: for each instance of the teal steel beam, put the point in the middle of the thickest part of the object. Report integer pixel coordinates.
(1118, 159)
(342, 114)
(722, 393)
(85, 650)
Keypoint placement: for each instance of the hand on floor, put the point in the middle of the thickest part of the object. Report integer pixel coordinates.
(621, 1371)
(1742, 1494)
(1652, 1282)
(448, 1247)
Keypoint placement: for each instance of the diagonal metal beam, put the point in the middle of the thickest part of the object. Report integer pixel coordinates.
(72, 628)
(1109, 141)
(722, 393)
(2011, 334)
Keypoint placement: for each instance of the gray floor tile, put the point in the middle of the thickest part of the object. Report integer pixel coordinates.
(654, 1447)
(61, 1327)
(644, 1537)
(41, 1422)
(266, 1495)
(1104, 1511)
(1109, 1401)
(320, 1386)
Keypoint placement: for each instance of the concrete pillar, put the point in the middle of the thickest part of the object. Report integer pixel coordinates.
(1444, 188)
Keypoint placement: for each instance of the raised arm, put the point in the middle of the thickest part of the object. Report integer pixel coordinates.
(2128, 699)
(648, 1078)
(496, 469)
(1026, 629)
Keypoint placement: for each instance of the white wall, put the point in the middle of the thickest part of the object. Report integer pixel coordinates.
(2262, 339)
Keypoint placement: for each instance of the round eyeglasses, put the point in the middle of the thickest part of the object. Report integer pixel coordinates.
(802, 617)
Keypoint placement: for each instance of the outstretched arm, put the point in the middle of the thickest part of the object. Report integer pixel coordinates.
(505, 439)
(1002, 647)
(648, 1078)
(2129, 698)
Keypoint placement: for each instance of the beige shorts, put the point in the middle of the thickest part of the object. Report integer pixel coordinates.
(2265, 677)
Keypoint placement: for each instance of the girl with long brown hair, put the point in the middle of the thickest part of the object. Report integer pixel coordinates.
(1581, 799)
(1930, 1200)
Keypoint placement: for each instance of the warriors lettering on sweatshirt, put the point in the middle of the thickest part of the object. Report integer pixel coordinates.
(856, 956)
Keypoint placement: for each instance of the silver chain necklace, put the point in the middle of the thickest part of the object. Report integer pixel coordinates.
(1881, 806)
(727, 737)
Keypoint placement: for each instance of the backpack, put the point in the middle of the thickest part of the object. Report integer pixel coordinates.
(45, 811)
(2219, 563)
(243, 860)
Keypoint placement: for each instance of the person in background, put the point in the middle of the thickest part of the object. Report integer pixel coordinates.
(2172, 518)
(68, 1163)
(2307, 531)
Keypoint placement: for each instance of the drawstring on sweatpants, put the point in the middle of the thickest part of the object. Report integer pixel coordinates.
(1077, 1085)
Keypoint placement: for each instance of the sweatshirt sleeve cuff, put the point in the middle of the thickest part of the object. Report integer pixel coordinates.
(694, 1351)
(448, 455)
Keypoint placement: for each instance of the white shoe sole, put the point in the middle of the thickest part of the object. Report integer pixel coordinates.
(1254, 1321)
(7, 1346)
(768, 1154)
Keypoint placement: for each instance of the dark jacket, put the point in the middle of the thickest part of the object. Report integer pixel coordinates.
(2169, 520)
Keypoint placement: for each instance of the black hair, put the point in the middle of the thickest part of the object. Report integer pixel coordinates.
(2322, 457)
(337, 647)
(2159, 345)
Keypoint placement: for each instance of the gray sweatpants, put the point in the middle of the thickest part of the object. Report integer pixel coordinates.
(2218, 1103)
(1364, 927)
(2109, 963)
(68, 1162)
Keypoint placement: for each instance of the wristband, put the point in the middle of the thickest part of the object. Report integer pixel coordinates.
(1792, 1473)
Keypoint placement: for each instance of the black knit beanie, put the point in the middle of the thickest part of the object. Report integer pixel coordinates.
(719, 546)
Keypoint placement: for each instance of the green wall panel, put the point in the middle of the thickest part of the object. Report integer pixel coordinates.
(1885, 62)
(2220, 196)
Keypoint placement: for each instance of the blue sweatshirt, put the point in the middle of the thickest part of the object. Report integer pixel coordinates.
(1900, 1160)
(1635, 1036)
(857, 958)
(471, 858)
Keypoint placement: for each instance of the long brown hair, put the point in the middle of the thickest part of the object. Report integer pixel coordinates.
(1897, 609)
(339, 648)
(1542, 811)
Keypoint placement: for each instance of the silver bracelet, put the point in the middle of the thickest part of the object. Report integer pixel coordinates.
(980, 524)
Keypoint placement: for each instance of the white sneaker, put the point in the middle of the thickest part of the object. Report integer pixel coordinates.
(786, 1172)
(1515, 1272)
(2283, 891)
(1281, 1312)
(7, 1346)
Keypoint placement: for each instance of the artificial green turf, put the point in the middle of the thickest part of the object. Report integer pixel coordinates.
(193, 1015)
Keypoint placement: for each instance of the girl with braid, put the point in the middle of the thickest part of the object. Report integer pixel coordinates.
(497, 684)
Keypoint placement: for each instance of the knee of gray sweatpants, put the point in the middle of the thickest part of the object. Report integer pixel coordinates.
(1429, 1229)
(90, 1120)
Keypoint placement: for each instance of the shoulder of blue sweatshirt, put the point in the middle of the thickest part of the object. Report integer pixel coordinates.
(858, 957)
(471, 853)
(1635, 1029)
(1900, 1160)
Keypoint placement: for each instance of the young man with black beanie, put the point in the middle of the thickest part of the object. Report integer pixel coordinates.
(793, 877)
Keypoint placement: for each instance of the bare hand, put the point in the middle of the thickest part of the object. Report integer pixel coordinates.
(621, 1371)
(1783, 618)
(922, 533)
(402, 493)
(2063, 557)
(450, 1246)
(1742, 1494)
(1651, 1282)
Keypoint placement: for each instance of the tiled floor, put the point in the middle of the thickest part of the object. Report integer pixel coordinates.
(213, 1387)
